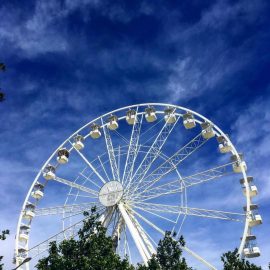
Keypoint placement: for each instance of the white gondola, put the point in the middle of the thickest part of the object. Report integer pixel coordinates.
(23, 237)
(113, 122)
(251, 250)
(38, 191)
(188, 120)
(19, 259)
(21, 251)
(253, 191)
(238, 162)
(255, 218)
(150, 114)
(170, 116)
(49, 172)
(24, 233)
(78, 142)
(95, 131)
(131, 117)
(37, 194)
(207, 130)
(29, 211)
(62, 156)
(223, 145)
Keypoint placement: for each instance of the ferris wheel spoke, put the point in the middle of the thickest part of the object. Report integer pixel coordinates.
(188, 181)
(151, 224)
(64, 209)
(149, 211)
(75, 185)
(103, 168)
(151, 128)
(132, 150)
(89, 180)
(127, 244)
(110, 150)
(82, 196)
(134, 233)
(91, 166)
(151, 155)
(162, 232)
(172, 163)
(121, 136)
(69, 232)
(145, 236)
(190, 211)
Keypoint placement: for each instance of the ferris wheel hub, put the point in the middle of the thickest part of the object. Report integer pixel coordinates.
(111, 193)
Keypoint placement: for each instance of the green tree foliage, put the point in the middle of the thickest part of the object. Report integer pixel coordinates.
(3, 236)
(2, 67)
(232, 261)
(93, 250)
(169, 255)
(2, 96)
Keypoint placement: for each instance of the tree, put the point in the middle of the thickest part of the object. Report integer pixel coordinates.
(2, 67)
(169, 255)
(3, 236)
(232, 261)
(2, 96)
(93, 250)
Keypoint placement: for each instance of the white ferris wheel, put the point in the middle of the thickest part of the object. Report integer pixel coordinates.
(148, 168)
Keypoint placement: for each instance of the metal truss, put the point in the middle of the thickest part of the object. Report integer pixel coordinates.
(172, 163)
(151, 155)
(141, 182)
(74, 185)
(206, 213)
(132, 150)
(65, 209)
(110, 149)
(175, 186)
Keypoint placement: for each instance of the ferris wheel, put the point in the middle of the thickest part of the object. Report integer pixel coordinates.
(147, 168)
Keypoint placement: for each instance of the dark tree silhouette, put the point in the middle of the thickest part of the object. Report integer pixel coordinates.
(232, 261)
(93, 250)
(2, 67)
(169, 255)
(2, 96)
(3, 236)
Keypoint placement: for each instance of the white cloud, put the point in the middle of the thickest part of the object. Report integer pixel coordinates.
(206, 59)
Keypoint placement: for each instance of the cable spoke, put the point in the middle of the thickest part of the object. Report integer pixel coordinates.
(145, 236)
(132, 150)
(195, 255)
(74, 185)
(172, 163)
(174, 186)
(89, 180)
(90, 165)
(110, 151)
(155, 214)
(206, 213)
(151, 155)
(71, 231)
(102, 165)
(64, 209)
(128, 248)
(134, 233)
(121, 136)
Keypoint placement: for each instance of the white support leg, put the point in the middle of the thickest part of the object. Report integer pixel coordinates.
(135, 234)
(106, 217)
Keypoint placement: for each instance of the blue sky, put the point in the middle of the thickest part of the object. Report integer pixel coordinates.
(70, 61)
